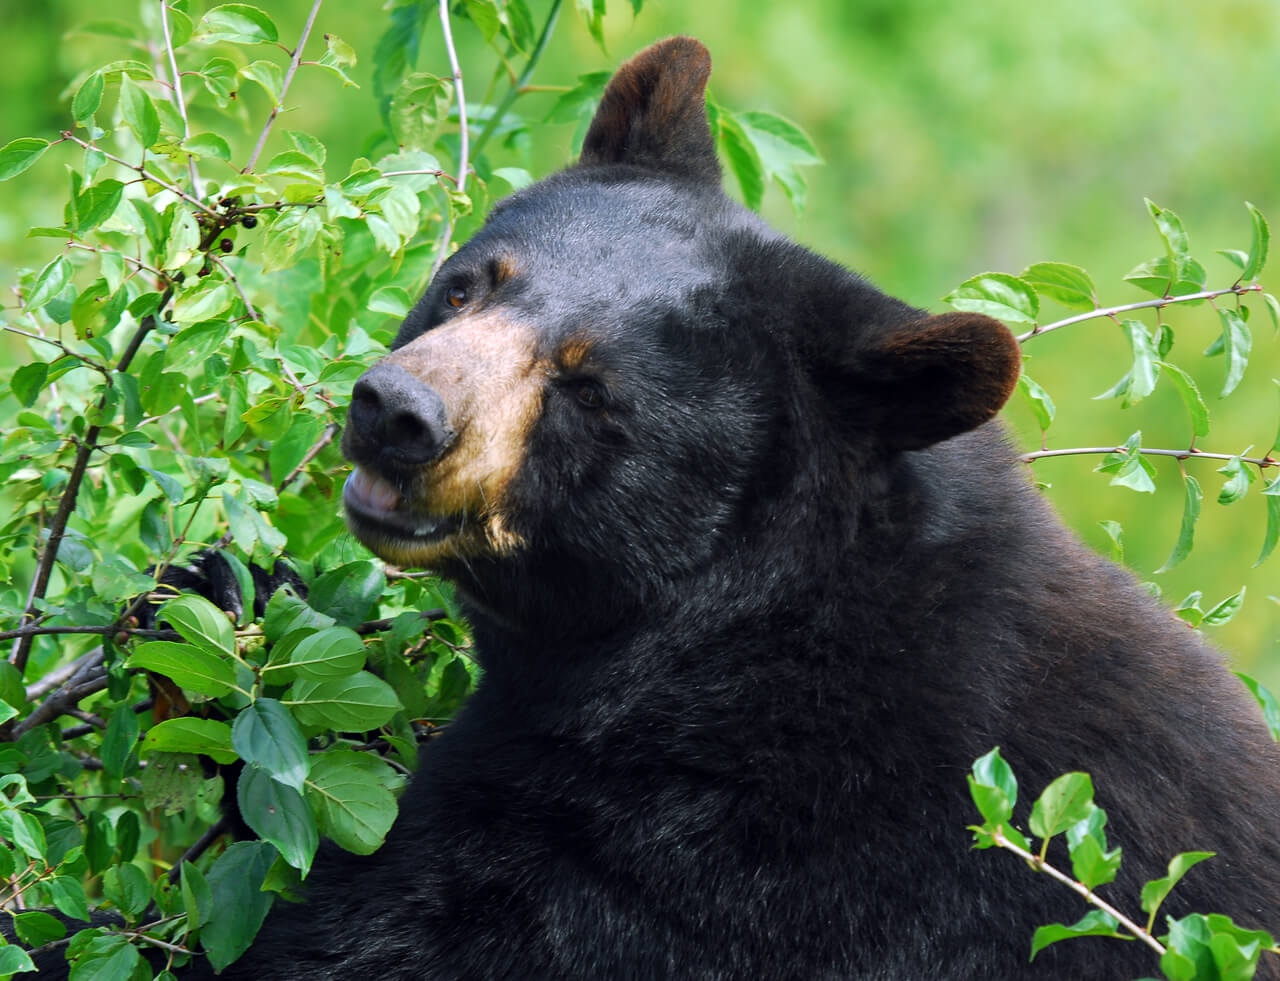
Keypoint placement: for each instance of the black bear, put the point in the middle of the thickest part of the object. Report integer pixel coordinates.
(754, 579)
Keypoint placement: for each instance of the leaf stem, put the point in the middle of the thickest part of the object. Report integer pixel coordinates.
(1191, 452)
(1141, 305)
(142, 172)
(1079, 888)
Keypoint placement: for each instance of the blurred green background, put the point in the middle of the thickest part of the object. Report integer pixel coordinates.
(958, 138)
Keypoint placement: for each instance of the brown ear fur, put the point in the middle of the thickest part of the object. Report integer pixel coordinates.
(654, 113)
(937, 377)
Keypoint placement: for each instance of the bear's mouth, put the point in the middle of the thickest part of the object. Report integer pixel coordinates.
(379, 514)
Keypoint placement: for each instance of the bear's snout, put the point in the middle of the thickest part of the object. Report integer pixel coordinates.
(401, 419)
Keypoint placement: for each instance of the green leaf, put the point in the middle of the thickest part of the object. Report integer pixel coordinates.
(197, 899)
(238, 904)
(1240, 477)
(1177, 245)
(592, 12)
(1190, 515)
(208, 145)
(1093, 864)
(352, 799)
(187, 665)
(348, 592)
(38, 928)
(127, 888)
(204, 302)
(1159, 278)
(286, 612)
(1266, 702)
(1258, 250)
(782, 148)
(119, 740)
(1067, 284)
(334, 652)
(1140, 380)
(1189, 609)
(1116, 533)
(517, 177)
(171, 782)
(1271, 494)
(29, 381)
(997, 295)
(208, 737)
(356, 704)
(1095, 923)
(17, 155)
(1273, 308)
(993, 787)
(742, 158)
(67, 894)
(1225, 611)
(1129, 468)
(200, 623)
(392, 300)
(267, 735)
(1236, 341)
(419, 108)
(139, 112)
(87, 98)
(238, 22)
(581, 100)
(279, 814)
(49, 283)
(15, 960)
(1064, 802)
(1190, 395)
(1155, 891)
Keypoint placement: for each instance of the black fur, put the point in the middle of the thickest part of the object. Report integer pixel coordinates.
(774, 602)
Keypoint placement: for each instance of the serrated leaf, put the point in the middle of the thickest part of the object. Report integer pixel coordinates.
(238, 22)
(187, 665)
(351, 796)
(1266, 702)
(1159, 278)
(359, 703)
(1067, 284)
(200, 623)
(334, 652)
(997, 295)
(1128, 467)
(17, 155)
(278, 814)
(1189, 392)
(782, 148)
(126, 887)
(67, 894)
(28, 382)
(38, 928)
(1192, 498)
(15, 960)
(267, 735)
(1235, 341)
(1177, 245)
(1258, 250)
(742, 158)
(419, 108)
(1095, 923)
(208, 737)
(139, 112)
(1140, 380)
(348, 592)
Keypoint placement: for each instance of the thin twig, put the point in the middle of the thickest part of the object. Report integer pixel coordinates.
(1260, 462)
(143, 173)
(288, 80)
(1165, 301)
(211, 834)
(87, 362)
(1079, 888)
(520, 86)
(178, 101)
(325, 439)
(463, 154)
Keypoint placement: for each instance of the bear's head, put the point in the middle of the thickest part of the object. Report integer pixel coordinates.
(625, 377)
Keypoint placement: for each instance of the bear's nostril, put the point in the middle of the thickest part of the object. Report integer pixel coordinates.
(398, 416)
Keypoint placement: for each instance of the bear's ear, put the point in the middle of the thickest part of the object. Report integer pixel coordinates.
(654, 113)
(918, 383)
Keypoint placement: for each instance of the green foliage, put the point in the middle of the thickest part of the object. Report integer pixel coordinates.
(197, 315)
(1196, 947)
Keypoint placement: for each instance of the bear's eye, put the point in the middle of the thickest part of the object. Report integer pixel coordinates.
(588, 394)
(456, 297)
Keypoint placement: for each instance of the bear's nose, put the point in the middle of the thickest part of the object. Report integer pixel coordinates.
(398, 416)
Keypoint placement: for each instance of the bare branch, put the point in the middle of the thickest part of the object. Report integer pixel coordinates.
(1260, 462)
(178, 100)
(1237, 290)
(288, 80)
